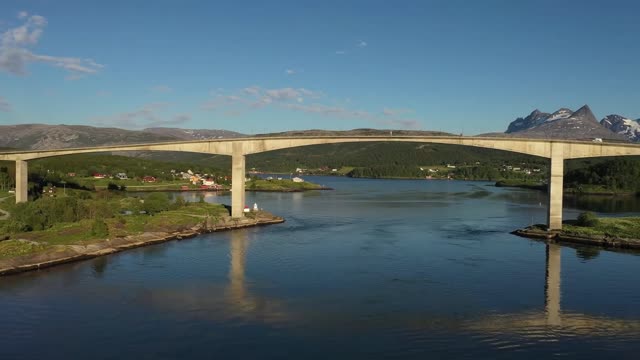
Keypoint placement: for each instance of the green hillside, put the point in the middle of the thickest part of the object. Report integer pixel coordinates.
(359, 155)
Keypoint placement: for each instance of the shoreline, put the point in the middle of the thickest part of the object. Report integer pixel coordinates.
(602, 241)
(63, 254)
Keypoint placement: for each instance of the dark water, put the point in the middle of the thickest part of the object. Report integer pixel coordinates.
(374, 269)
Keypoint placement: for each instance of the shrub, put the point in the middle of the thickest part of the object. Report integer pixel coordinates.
(155, 203)
(180, 202)
(99, 228)
(587, 219)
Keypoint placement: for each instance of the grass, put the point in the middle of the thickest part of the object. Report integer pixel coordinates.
(627, 227)
(15, 248)
(522, 183)
(345, 170)
(280, 185)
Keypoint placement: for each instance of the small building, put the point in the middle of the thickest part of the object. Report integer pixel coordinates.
(297, 180)
(122, 176)
(99, 176)
(149, 179)
(71, 174)
(208, 182)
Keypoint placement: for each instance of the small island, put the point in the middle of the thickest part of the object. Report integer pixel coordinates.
(588, 229)
(282, 185)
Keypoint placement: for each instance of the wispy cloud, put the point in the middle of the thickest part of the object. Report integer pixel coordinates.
(4, 105)
(15, 54)
(395, 112)
(303, 100)
(340, 52)
(148, 115)
(290, 72)
(161, 89)
(362, 44)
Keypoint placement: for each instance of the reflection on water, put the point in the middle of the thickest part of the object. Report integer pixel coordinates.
(604, 203)
(375, 269)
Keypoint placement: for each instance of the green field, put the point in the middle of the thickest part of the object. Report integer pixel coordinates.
(626, 227)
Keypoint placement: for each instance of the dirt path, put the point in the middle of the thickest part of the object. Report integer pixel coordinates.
(4, 215)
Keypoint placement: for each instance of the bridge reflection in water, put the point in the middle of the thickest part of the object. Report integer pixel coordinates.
(240, 303)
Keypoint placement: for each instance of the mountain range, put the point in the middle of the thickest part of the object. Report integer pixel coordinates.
(581, 124)
(561, 124)
(41, 136)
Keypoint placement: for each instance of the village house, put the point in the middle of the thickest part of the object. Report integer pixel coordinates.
(149, 179)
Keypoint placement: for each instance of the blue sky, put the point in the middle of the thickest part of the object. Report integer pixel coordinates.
(263, 66)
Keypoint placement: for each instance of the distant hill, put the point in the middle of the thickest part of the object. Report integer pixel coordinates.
(562, 124)
(193, 134)
(42, 137)
(356, 132)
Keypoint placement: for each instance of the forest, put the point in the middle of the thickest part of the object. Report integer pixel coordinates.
(612, 174)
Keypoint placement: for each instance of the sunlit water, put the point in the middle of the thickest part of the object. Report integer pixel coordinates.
(374, 269)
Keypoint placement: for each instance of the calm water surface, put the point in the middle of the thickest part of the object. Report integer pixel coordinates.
(374, 269)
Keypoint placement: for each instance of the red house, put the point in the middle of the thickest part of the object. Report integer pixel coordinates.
(149, 179)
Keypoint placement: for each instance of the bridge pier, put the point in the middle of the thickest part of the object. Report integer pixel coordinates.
(237, 183)
(22, 183)
(556, 175)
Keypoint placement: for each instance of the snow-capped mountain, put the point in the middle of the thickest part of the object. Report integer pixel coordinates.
(562, 124)
(532, 120)
(559, 115)
(623, 126)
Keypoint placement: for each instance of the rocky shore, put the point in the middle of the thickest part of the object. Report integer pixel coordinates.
(62, 254)
(605, 241)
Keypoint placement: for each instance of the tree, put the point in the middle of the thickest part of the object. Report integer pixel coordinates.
(155, 203)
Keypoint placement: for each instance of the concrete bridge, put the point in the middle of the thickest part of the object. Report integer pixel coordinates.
(555, 150)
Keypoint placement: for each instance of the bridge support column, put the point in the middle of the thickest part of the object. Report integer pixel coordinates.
(22, 183)
(237, 181)
(556, 175)
(552, 285)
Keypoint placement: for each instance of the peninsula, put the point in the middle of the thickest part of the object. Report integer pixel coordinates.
(53, 231)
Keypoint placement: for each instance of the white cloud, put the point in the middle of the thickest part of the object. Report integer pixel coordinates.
(362, 44)
(290, 72)
(15, 55)
(340, 52)
(161, 88)
(4, 105)
(144, 117)
(252, 90)
(254, 98)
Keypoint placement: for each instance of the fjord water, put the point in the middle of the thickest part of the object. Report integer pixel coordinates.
(373, 269)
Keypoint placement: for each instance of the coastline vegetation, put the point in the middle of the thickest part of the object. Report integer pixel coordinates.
(83, 218)
(284, 185)
(590, 225)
